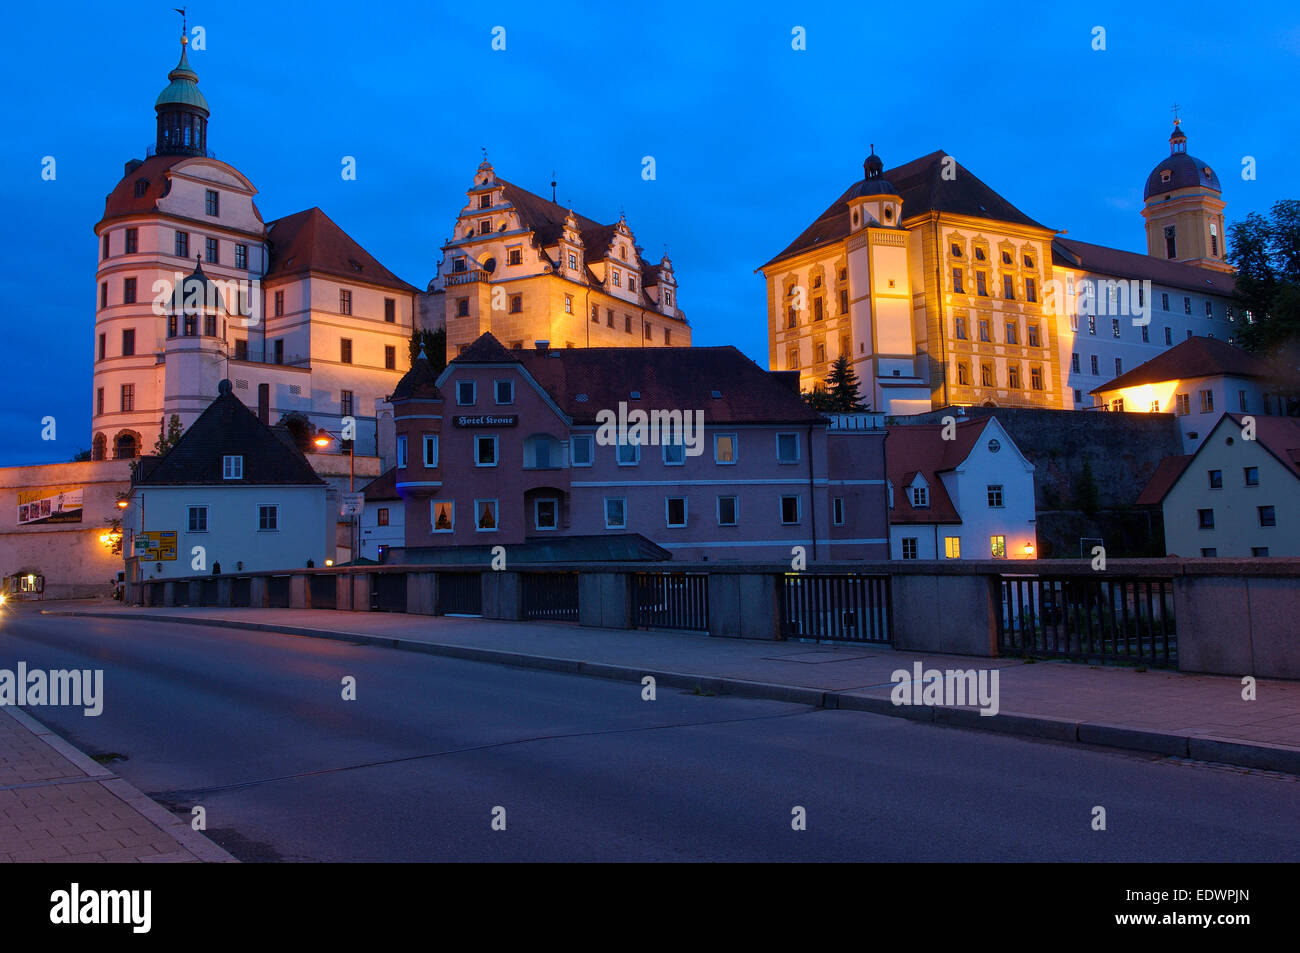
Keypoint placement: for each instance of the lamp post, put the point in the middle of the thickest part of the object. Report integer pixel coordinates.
(322, 442)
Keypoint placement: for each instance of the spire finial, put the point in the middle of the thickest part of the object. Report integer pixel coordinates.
(552, 185)
(185, 31)
(1176, 119)
(484, 148)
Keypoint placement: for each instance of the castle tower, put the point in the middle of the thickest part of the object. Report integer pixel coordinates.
(1183, 209)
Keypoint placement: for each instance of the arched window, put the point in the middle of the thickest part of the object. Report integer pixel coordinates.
(99, 447)
(125, 447)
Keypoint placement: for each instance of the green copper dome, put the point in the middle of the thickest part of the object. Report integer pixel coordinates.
(183, 90)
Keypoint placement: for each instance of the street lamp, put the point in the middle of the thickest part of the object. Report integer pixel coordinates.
(1029, 550)
(322, 440)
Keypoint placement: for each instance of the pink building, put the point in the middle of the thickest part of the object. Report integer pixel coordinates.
(546, 453)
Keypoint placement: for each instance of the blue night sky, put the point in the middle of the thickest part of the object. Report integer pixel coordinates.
(751, 139)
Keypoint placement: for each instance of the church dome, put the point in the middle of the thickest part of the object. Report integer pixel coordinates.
(1180, 170)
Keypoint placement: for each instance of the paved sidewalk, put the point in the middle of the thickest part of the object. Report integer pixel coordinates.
(57, 805)
(1172, 713)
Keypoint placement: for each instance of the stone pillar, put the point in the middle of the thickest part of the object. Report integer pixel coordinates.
(225, 591)
(195, 593)
(299, 591)
(605, 599)
(953, 614)
(744, 606)
(360, 591)
(422, 593)
(259, 592)
(169, 593)
(502, 596)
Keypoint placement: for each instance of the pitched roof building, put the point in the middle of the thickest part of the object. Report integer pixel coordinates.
(940, 291)
(527, 269)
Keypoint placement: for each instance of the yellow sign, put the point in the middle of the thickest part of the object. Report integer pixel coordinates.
(156, 545)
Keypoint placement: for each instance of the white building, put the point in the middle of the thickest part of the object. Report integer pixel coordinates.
(297, 315)
(383, 520)
(1237, 495)
(233, 494)
(959, 490)
(1198, 380)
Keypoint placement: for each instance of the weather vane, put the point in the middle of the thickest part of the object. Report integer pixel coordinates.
(1176, 119)
(185, 33)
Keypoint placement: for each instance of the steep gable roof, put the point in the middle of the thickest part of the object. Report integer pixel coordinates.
(382, 487)
(418, 383)
(1163, 479)
(310, 241)
(1280, 436)
(924, 188)
(1190, 359)
(546, 219)
(227, 427)
(920, 448)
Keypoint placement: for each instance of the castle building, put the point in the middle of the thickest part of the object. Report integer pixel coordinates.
(193, 287)
(942, 293)
(526, 269)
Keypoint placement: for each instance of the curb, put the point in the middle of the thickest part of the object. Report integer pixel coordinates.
(1196, 747)
(205, 850)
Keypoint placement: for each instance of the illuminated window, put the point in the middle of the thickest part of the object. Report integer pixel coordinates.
(485, 516)
(952, 547)
(444, 515)
(998, 547)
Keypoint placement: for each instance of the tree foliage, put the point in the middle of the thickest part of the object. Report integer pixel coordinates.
(435, 347)
(839, 393)
(170, 437)
(1265, 251)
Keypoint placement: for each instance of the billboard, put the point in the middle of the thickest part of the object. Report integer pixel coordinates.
(57, 504)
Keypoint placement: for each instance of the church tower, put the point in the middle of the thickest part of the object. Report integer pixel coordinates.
(182, 112)
(1183, 209)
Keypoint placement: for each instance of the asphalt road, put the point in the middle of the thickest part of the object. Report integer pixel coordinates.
(254, 727)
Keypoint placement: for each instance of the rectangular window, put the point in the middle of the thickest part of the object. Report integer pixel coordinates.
(443, 513)
(837, 511)
(618, 278)
(615, 512)
(726, 511)
(132, 241)
(278, 349)
(505, 391)
(99, 401)
(1209, 553)
(573, 262)
(516, 304)
(980, 288)
(668, 337)
(952, 547)
(1146, 334)
(1114, 327)
(241, 256)
(998, 547)
(182, 244)
(1092, 363)
(268, 518)
(1267, 516)
(1013, 376)
(1031, 290)
(1251, 475)
(210, 251)
(580, 449)
(959, 328)
(789, 510)
(629, 454)
(128, 342)
(986, 375)
(232, 467)
(485, 226)
(675, 511)
(647, 332)
(995, 495)
(674, 454)
(485, 451)
(212, 204)
(198, 519)
(465, 393)
(1241, 401)
(725, 448)
(844, 301)
(1036, 378)
(1092, 324)
(103, 294)
(241, 349)
(1078, 396)
(1074, 363)
(1259, 550)
(984, 330)
(101, 347)
(546, 514)
(627, 321)
(568, 304)
(1033, 335)
(128, 397)
(1119, 366)
(345, 301)
(390, 357)
(279, 304)
(462, 307)
(1187, 305)
(909, 547)
(920, 496)
(1216, 479)
(1207, 401)
(430, 442)
(485, 516)
(819, 311)
(1008, 287)
(105, 251)
(390, 310)
(401, 451)
(1205, 519)
(381, 516)
(458, 264)
(1209, 308)
(345, 350)
(787, 448)
(1013, 333)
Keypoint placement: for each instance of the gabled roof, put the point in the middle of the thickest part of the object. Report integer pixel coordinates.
(310, 241)
(920, 448)
(1190, 359)
(1068, 253)
(419, 383)
(382, 487)
(123, 201)
(924, 188)
(583, 381)
(1280, 436)
(1163, 479)
(546, 219)
(228, 427)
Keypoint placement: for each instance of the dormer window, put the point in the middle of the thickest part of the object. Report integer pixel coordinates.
(573, 261)
(485, 200)
(141, 187)
(617, 277)
(855, 216)
(920, 497)
(485, 226)
(232, 467)
(1165, 175)
(458, 264)
(631, 283)
(622, 252)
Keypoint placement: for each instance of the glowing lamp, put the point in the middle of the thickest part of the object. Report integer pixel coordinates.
(329, 562)
(322, 441)
(122, 504)
(1029, 549)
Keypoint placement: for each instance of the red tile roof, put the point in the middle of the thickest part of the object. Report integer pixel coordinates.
(1190, 359)
(585, 380)
(923, 188)
(921, 448)
(1126, 264)
(1163, 479)
(1280, 436)
(310, 241)
(382, 487)
(123, 201)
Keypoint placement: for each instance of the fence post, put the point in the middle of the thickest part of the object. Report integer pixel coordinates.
(745, 606)
(299, 591)
(502, 595)
(954, 614)
(259, 592)
(422, 593)
(605, 600)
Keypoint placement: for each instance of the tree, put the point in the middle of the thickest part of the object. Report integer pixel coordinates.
(1265, 251)
(170, 438)
(81, 456)
(435, 347)
(839, 393)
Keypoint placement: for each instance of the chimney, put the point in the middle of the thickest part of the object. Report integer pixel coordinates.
(542, 346)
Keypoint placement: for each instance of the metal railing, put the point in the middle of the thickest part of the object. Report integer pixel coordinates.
(836, 608)
(388, 592)
(551, 596)
(460, 593)
(1077, 617)
(673, 600)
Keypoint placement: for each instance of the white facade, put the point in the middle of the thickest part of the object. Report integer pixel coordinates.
(234, 537)
(1197, 402)
(1248, 513)
(383, 524)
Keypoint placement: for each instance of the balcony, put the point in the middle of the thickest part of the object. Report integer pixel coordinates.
(467, 277)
